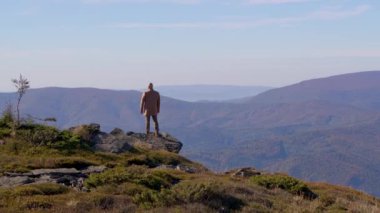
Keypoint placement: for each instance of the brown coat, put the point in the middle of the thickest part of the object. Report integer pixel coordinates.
(150, 103)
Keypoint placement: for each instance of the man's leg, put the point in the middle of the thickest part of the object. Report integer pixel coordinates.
(147, 124)
(156, 127)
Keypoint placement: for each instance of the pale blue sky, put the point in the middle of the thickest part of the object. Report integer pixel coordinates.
(123, 44)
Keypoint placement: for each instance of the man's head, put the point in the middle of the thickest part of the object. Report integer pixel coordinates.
(150, 87)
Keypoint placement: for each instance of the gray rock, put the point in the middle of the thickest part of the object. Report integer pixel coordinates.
(169, 144)
(117, 131)
(94, 169)
(182, 168)
(68, 180)
(244, 172)
(94, 127)
(111, 143)
(68, 176)
(15, 181)
(186, 169)
(60, 171)
(12, 174)
(118, 141)
(166, 167)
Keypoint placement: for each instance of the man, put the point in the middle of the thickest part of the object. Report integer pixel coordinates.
(150, 107)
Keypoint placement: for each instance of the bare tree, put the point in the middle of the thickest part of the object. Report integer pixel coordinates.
(21, 84)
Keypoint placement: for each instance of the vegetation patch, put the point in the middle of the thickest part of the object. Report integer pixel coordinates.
(39, 189)
(135, 174)
(211, 194)
(284, 182)
(37, 204)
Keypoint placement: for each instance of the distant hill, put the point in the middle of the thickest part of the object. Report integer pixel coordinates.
(355, 89)
(194, 93)
(320, 130)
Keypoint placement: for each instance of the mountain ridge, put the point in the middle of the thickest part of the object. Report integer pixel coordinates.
(258, 133)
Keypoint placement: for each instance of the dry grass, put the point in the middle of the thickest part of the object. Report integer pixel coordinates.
(132, 184)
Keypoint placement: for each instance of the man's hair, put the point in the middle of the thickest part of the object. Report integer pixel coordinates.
(150, 85)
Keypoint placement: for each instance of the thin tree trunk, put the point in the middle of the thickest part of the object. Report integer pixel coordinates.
(18, 111)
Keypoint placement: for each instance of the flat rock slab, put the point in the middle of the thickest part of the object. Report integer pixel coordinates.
(67, 176)
(15, 181)
(64, 171)
(117, 141)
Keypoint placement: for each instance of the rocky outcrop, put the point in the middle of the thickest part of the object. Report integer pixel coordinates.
(117, 141)
(244, 172)
(67, 176)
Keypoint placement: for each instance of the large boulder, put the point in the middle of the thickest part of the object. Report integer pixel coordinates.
(117, 141)
(162, 142)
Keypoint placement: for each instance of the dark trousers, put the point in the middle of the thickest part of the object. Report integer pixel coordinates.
(147, 123)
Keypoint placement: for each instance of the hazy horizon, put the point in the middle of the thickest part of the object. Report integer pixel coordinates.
(124, 44)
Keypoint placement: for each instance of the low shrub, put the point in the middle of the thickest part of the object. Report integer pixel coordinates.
(211, 194)
(152, 199)
(104, 202)
(7, 118)
(26, 191)
(284, 182)
(113, 176)
(51, 188)
(73, 162)
(39, 189)
(131, 189)
(68, 142)
(138, 175)
(142, 160)
(14, 168)
(37, 134)
(14, 146)
(327, 200)
(36, 204)
(5, 132)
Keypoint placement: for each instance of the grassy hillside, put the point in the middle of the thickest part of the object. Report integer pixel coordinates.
(136, 181)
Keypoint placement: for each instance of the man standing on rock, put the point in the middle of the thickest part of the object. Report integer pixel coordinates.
(150, 107)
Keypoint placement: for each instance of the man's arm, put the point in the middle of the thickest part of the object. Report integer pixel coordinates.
(142, 103)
